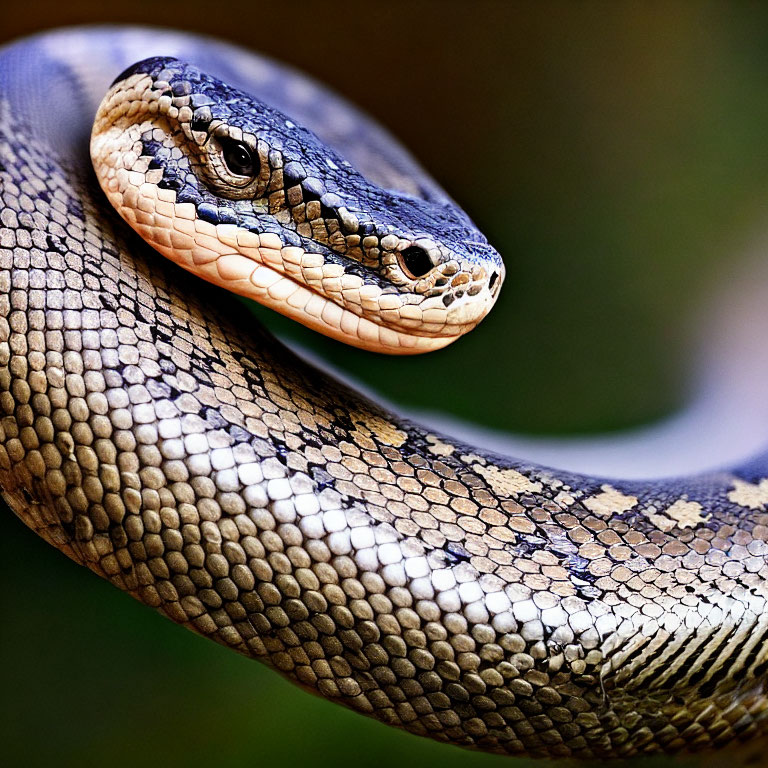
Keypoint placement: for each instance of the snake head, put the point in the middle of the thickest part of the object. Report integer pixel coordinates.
(242, 195)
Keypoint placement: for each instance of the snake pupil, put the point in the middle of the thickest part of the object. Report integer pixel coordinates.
(238, 158)
(416, 261)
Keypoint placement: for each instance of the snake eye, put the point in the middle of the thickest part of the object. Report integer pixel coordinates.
(415, 261)
(238, 158)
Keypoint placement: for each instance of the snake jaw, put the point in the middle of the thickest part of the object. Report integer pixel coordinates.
(251, 266)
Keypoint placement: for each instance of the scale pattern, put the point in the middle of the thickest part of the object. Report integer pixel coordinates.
(216, 477)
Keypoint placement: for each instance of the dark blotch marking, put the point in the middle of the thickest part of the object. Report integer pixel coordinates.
(456, 553)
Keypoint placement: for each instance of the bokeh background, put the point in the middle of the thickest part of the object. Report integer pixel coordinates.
(616, 155)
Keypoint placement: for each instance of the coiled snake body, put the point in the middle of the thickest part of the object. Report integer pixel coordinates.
(203, 468)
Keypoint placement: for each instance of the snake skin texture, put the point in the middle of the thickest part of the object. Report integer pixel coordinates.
(154, 435)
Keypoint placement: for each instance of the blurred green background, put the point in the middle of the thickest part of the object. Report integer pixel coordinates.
(616, 155)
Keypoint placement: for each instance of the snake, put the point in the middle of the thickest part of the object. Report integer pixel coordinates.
(155, 433)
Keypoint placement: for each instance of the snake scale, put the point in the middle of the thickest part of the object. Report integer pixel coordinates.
(154, 434)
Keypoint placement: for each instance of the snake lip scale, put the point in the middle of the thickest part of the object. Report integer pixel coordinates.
(198, 465)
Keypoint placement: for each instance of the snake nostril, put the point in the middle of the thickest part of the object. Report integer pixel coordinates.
(492, 282)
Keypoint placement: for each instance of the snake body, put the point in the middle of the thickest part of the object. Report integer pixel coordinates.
(156, 436)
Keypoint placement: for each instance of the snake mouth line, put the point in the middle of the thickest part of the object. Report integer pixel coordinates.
(251, 265)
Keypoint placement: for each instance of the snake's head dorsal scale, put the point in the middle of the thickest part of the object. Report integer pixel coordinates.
(240, 194)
